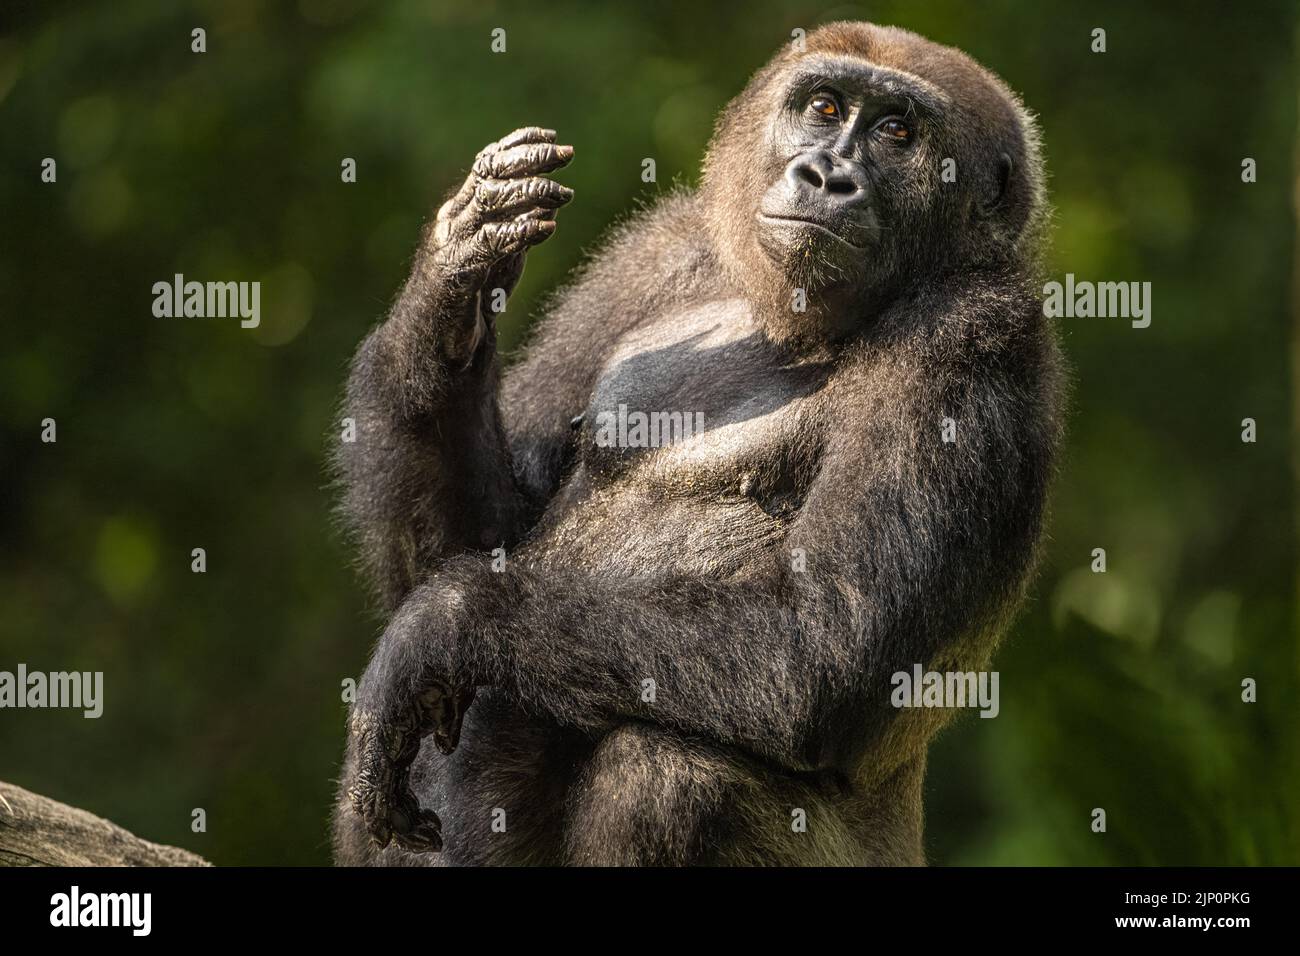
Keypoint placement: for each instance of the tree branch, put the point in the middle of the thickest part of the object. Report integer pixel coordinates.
(37, 831)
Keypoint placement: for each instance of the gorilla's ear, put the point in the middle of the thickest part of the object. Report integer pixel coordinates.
(1002, 182)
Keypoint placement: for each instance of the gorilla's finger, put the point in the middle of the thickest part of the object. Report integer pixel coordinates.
(525, 134)
(424, 837)
(415, 828)
(446, 740)
(539, 213)
(498, 198)
(371, 805)
(526, 160)
(498, 239)
(447, 737)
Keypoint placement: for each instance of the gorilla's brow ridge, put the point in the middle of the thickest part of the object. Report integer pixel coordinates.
(835, 71)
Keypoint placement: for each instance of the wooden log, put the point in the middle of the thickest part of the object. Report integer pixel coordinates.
(37, 831)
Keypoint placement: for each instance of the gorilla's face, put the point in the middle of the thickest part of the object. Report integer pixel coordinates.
(866, 166)
(848, 145)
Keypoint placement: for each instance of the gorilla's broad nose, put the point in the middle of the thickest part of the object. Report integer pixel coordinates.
(825, 177)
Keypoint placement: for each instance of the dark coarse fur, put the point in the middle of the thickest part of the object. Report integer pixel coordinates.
(678, 564)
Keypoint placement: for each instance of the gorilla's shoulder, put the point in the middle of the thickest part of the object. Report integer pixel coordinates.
(661, 249)
(674, 226)
(983, 318)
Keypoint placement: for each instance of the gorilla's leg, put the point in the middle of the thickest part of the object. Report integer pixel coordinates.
(648, 797)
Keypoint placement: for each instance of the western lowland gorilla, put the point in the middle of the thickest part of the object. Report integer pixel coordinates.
(605, 648)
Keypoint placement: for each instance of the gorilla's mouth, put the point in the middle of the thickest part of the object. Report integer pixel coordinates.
(812, 224)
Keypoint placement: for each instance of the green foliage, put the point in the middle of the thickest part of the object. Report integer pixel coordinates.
(1119, 691)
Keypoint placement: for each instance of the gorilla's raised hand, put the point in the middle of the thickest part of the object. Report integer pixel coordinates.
(481, 233)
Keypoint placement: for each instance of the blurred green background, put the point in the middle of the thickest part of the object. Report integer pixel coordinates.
(1119, 690)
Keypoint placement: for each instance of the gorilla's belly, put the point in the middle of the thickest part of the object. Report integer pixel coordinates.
(634, 530)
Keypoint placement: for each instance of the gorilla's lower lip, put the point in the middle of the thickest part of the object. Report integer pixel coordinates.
(814, 225)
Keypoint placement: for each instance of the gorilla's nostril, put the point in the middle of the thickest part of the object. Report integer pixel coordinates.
(842, 187)
(811, 176)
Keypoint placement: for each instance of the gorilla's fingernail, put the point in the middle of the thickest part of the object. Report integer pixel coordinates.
(564, 152)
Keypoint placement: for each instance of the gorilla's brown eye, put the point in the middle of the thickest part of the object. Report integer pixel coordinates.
(895, 129)
(824, 105)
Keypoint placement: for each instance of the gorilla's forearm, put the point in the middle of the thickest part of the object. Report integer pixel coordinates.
(765, 666)
(790, 667)
(423, 486)
(419, 361)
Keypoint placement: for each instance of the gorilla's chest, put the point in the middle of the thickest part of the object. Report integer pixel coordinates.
(699, 402)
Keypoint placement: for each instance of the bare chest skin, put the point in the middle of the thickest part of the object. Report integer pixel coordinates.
(698, 419)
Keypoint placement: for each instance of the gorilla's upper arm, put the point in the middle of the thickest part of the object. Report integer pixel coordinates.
(915, 543)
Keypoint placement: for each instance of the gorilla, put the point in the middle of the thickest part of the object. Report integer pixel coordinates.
(679, 650)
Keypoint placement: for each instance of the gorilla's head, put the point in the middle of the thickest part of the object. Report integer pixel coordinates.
(869, 163)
